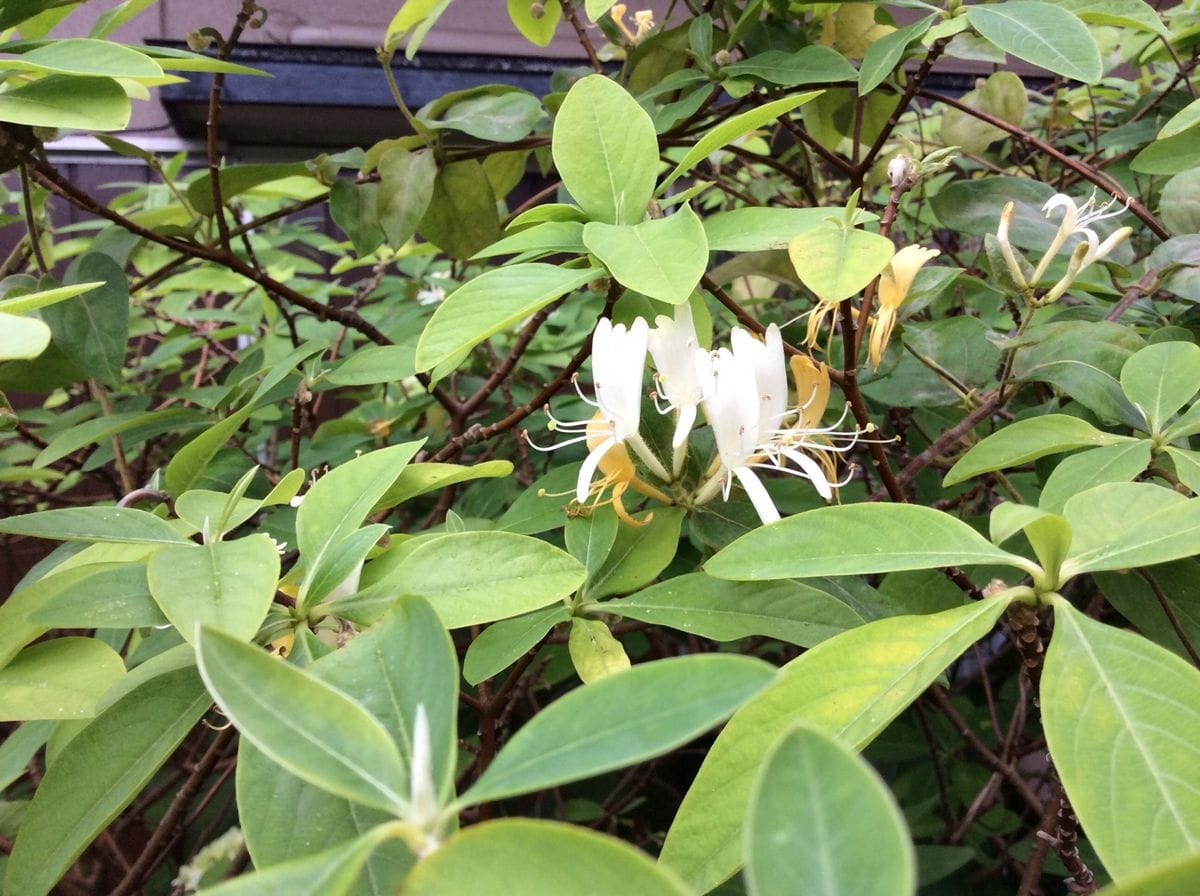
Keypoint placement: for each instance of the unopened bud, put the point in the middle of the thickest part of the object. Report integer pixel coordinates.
(536, 10)
(899, 169)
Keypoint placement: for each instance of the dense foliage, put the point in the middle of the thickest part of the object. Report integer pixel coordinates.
(750, 375)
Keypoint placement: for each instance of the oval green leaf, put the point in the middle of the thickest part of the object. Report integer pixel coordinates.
(59, 679)
(606, 151)
(1042, 34)
(1026, 440)
(99, 773)
(726, 611)
(836, 262)
(538, 858)
(853, 539)
(102, 524)
(1160, 379)
(1105, 686)
(476, 577)
(492, 301)
(286, 713)
(663, 258)
(822, 821)
(226, 585)
(619, 720)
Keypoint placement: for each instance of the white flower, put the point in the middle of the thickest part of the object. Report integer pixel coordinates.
(618, 366)
(746, 408)
(678, 381)
(1078, 219)
(734, 411)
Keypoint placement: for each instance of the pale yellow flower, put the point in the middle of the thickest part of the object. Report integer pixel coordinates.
(894, 285)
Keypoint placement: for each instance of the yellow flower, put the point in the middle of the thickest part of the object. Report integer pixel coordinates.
(894, 285)
(616, 472)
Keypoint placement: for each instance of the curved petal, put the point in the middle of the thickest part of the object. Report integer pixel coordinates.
(588, 470)
(757, 493)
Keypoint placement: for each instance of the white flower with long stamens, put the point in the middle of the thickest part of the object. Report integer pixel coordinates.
(748, 425)
(734, 411)
(618, 363)
(1079, 219)
(678, 381)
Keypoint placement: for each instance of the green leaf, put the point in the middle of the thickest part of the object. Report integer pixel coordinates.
(67, 101)
(822, 821)
(403, 661)
(594, 651)
(238, 179)
(663, 258)
(476, 577)
(1097, 466)
(119, 525)
(116, 595)
(419, 479)
(497, 113)
(501, 643)
(16, 11)
(92, 432)
(1127, 524)
(1042, 34)
(538, 858)
(20, 746)
(731, 129)
(59, 679)
(31, 301)
(374, 364)
(606, 151)
(1134, 598)
(1186, 118)
(285, 820)
(225, 585)
(85, 57)
(1026, 440)
(286, 714)
(406, 184)
(1105, 686)
(1180, 878)
(850, 687)
(355, 209)
(331, 872)
(638, 554)
(1170, 155)
(22, 337)
(1160, 379)
(173, 59)
(619, 720)
(341, 499)
(98, 774)
(887, 52)
(461, 218)
(725, 611)
(94, 327)
(538, 240)
(974, 207)
(489, 303)
(852, 539)
(757, 229)
(814, 64)
(538, 29)
(590, 538)
(836, 262)
(1136, 14)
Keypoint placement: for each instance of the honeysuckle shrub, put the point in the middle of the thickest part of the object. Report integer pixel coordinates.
(793, 393)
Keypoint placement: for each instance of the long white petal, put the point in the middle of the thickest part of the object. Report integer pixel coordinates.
(687, 418)
(757, 493)
(588, 470)
(812, 471)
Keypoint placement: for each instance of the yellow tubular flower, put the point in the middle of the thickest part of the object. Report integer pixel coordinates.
(617, 471)
(894, 285)
(812, 389)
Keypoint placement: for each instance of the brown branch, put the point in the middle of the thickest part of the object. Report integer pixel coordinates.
(572, 16)
(1089, 174)
(505, 367)
(169, 827)
(1169, 612)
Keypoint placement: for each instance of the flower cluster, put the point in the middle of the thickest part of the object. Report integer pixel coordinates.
(743, 393)
(1076, 219)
